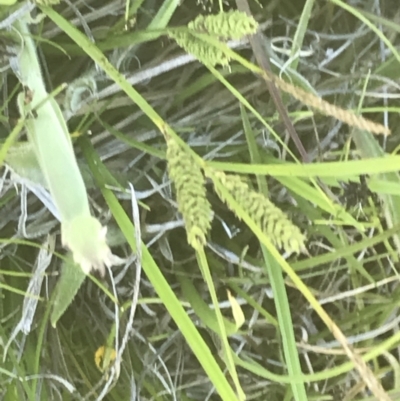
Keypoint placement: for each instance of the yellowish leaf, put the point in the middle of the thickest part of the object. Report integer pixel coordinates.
(104, 357)
(237, 311)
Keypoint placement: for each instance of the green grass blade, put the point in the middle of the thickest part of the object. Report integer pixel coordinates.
(339, 170)
(228, 357)
(300, 33)
(164, 14)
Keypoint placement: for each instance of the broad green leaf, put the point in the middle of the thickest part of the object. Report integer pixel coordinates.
(72, 278)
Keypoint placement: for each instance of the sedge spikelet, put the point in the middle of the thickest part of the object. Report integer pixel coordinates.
(191, 194)
(272, 220)
(224, 26)
(204, 52)
(233, 24)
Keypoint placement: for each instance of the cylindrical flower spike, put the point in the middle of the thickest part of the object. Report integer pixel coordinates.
(191, 194)
(272, 220)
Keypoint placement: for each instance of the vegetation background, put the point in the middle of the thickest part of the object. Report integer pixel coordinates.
(236, 320)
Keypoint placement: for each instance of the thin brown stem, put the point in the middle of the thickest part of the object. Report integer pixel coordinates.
(263, 61)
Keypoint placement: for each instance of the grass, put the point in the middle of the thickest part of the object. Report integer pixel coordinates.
(321, 325)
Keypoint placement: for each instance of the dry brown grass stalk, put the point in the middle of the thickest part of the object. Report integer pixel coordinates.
(327, 108)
